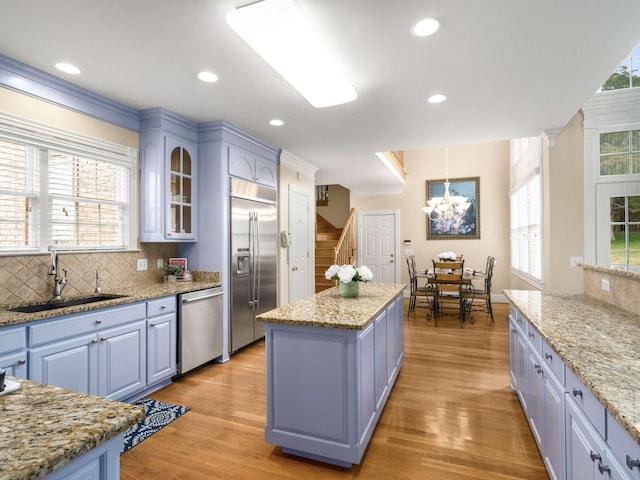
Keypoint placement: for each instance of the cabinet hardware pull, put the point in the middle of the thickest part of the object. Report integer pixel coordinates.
(603, 468)
(594, 456)
(103, 339)
(537, 367)
(94, 341)
(531, 336)
(152, 324)
(22, 362)
(162, 307)
(577, 392)
(98, 322)
(632, 463)
(514, 330)
(548, 356)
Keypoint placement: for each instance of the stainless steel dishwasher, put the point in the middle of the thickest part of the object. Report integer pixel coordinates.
(199, 328)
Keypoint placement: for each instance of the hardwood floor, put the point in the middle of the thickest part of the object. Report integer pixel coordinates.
(451, 415)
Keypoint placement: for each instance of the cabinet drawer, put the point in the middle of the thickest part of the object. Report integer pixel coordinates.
(588, 403)
(623, 445)
(161, 306)
(13, 339)
(553, 361)
(533, 336)
(64, 327)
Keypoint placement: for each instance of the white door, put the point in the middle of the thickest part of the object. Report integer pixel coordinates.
(378, 245)
(300, 245)
(611, 227)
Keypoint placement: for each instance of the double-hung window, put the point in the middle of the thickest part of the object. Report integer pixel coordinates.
(526, 208)
(62, 191)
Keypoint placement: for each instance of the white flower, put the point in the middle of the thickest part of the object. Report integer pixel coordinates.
(365, 273)
(450, 256)
(348, 273)
(331, 272)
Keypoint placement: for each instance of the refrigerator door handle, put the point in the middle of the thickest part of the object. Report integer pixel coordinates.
(258, 266)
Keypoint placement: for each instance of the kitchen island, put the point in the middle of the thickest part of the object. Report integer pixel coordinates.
(331, 364)
(49, 432)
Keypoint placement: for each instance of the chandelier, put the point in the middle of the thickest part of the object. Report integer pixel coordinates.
(448, 207)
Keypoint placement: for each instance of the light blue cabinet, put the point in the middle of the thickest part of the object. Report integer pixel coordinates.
(161, 339)
(251, 167)
(13, 351)
(101, 353)
(168, 169)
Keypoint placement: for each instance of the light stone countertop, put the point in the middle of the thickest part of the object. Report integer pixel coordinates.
(598, 341)
(328, 309)
(136, 294)
(44, 427)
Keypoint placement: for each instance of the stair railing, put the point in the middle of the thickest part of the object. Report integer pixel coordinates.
(344, 250)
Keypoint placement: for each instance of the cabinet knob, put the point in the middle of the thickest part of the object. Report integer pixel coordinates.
(594, 456)
(577, 392)
(22, 362)
(162, 307)
(152, 324)
(537, 367)
(548, 356)
(632, 463)
(98, 322)
(103, 339)
(94, 341)
(531, 336)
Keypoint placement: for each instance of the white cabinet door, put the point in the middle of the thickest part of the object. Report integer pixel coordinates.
(533, 388)
(161, 348)
(122, 360)
(381, 356)
(70, 364)
(265, 172)
(553, 426)
(15, 364)
(251, 167)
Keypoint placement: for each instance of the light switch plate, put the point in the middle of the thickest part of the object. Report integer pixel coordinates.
(142, 264)
(605, 285)
(159, 264)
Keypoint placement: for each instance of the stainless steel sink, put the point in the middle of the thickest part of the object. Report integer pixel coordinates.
(54, 304)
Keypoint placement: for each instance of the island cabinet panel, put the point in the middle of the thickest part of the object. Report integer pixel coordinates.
(327, 386)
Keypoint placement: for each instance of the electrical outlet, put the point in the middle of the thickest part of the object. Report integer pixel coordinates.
(159, 264)
(142, 264)
(605, 285)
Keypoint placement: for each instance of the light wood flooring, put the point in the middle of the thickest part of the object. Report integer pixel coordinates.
(451, 415)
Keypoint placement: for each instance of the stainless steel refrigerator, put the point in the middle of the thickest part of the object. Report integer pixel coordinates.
(253, 259)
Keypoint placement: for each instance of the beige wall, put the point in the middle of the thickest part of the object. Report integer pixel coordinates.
(337, 212)
(490, 162)
(290, 176)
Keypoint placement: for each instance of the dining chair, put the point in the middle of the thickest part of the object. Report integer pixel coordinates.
(449, 288)
(480, 299)
(421, 297)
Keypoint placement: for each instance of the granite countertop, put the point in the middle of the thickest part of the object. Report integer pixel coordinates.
(598, 341)
(328, 309)
(44, 427)
(135, 294)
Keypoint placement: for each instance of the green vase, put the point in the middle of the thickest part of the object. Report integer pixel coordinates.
(349, 290)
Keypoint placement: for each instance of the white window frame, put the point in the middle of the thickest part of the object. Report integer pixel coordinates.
(51, 138)
(606, 112)
(526, 165)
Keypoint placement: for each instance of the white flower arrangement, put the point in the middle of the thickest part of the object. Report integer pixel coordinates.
(447, 256)
(348, 273)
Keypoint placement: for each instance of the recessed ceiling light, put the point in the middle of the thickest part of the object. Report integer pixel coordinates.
(68, 68)
(437, 98)
(425, 27)
(208, 77)
(276, 123)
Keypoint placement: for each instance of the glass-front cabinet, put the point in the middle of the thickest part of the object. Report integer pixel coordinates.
(168, 166)
(180, 201)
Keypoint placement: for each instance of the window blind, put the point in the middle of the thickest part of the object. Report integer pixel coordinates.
(19, 195)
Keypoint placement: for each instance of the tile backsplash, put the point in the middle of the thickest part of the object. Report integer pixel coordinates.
(24, 277)
(623, 287)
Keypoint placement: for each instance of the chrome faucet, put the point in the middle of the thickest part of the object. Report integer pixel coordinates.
(59, 282)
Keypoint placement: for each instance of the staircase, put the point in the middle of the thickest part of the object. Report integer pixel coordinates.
(327, 237)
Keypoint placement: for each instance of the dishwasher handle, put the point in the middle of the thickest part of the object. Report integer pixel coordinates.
(189, 300)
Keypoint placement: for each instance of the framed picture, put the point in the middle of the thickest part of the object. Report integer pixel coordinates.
(455, 226)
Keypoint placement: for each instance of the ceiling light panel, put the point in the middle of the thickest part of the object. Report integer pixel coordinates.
(282, 36)
(425, 27)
